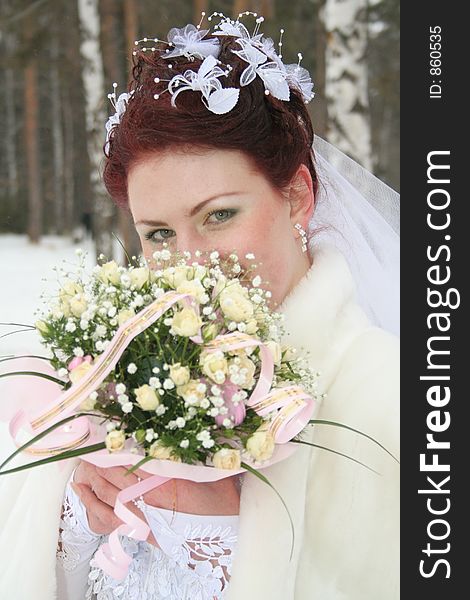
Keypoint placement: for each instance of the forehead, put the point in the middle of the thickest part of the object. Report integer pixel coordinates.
(181, 179)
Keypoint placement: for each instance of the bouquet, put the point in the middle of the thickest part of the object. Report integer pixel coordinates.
(175, 367)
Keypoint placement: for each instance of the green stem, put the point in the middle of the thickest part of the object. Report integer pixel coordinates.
(35, 374)
(267, 482)
(336, 452)
(58, 457)
(335, 424)
(41, 435)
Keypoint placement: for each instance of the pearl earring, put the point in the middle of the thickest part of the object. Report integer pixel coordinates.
(303, 236)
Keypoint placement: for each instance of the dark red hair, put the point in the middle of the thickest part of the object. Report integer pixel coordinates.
(276, 135)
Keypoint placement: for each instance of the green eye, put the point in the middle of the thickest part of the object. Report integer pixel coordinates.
(222, 214)
(152, 235)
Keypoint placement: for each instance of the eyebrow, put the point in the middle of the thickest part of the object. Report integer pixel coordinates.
(192, 212)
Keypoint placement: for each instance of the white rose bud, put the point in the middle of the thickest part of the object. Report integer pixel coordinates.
(212, 362)
(88, 404)
(191, 390)
(177, 275)
(78, 305)
(194, 287)
(139, 277)
(261, 444)
(156, 450)
(179, 374)
(275, 350)
(115, 440)
(186, 322)
(227, 458)
(125, 315)
(109, 273)
(289, 353)
(251, 327)
(41, 327)
(146, 397)
(80, 371)
(235, 305)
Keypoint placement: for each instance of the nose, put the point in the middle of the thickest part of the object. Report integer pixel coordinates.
(190, 241)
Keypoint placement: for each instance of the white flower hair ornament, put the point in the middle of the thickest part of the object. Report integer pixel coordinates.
(120, 105)
(188, 42)
(216, 98)
(257, 51)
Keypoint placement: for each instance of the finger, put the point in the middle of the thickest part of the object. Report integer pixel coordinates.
(103, 490)
(118, 476)
(101, 517)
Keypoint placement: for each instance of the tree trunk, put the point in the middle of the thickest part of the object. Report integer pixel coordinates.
(346, 84)
(31, 106)
(10, 123)
(93, 81)
(57, 138)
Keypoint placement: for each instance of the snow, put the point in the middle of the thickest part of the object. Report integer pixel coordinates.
(23, 268)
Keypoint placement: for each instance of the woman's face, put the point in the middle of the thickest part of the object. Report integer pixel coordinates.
(216, 200)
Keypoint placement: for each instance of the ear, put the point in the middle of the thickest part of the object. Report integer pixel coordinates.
(301, 197)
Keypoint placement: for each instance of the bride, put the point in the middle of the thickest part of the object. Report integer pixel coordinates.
(212, 149)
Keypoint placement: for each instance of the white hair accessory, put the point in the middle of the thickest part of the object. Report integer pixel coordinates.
(256, 50)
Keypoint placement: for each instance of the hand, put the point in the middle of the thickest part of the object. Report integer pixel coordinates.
(97, 489)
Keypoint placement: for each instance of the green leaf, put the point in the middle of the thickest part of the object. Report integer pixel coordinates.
(39, 437)
(18, 325)
(336, 452)
(36, 374)
(267, 482)
(335, 424)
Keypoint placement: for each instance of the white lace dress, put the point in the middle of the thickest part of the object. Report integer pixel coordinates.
(193, 562)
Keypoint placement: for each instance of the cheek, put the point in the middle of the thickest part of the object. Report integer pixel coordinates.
(267, 237)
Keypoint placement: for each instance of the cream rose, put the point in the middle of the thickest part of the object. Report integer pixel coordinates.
(115, 440)
(139, 277)
(226, 458)
(156, 450)
(251, 327)
(124, 315)
(190, 393)
(275, 350)
(186, 322)
(78, 305)
(179, 374)
(109, 273)
(210, 332)
(289, 352)
(88, 404)
(70, 288)
(175, 276)
(80, 371)
(146, 397)
(236, 306)
(214, 365)
(41, 327)
(193, 287)
(261, 444)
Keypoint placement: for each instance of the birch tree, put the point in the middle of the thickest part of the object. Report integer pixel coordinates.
(93, 82)
(346, 86)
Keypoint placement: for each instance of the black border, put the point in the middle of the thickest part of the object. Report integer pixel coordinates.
(426, 125)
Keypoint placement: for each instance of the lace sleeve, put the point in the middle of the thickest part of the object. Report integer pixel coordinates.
(77, 544)
(202, 546)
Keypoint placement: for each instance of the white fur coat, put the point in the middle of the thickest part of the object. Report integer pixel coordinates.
(346, 517)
